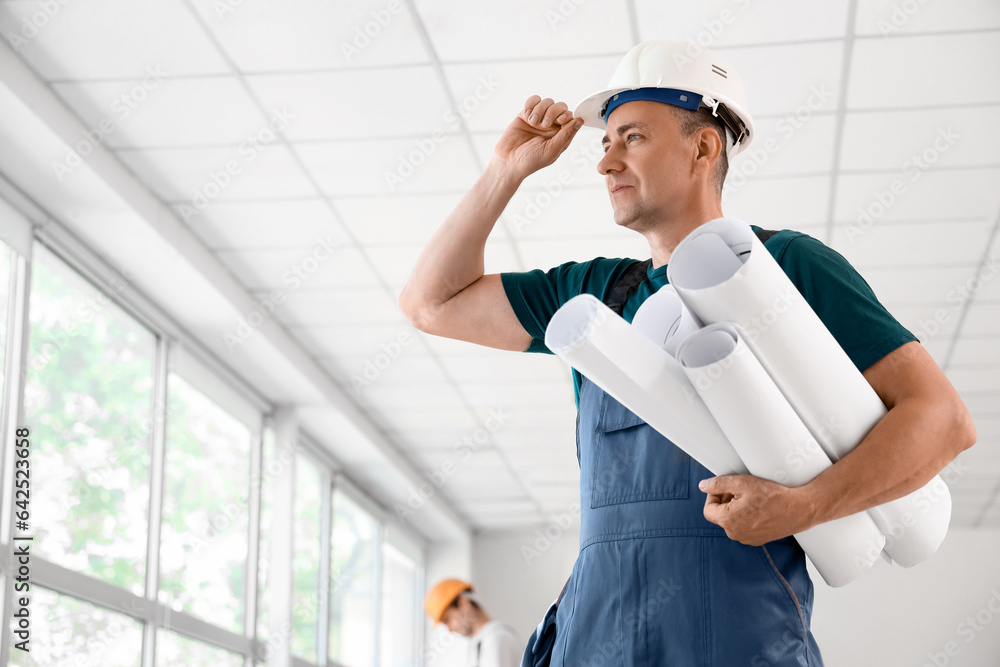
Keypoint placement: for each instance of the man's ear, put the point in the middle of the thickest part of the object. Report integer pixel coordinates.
(708, 149)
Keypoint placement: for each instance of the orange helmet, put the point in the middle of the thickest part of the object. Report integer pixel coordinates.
(442, 595)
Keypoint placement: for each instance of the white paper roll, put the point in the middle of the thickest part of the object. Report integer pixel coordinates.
(774, 443)
(602, 346)
(664, 319)
(813, 372)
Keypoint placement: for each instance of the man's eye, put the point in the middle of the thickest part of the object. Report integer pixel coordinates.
(631, 136)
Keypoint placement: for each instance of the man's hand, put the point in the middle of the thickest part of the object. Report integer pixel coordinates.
(536, 137)
(753, 510)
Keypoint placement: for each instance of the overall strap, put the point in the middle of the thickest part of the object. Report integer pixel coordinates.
(628, 283)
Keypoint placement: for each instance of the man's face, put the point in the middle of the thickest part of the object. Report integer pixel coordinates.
(456, 618)
(647, 165)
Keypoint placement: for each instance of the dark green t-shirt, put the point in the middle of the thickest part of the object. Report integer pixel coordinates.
(835, 290)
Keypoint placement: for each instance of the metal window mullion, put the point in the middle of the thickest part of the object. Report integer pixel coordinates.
(15, 372)
(253, 537)
(377, 592)
(280, 577)
(325, 561)
(156, 477)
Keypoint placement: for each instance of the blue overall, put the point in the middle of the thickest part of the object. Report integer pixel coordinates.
(655, 582)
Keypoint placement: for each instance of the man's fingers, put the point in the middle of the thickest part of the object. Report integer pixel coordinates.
(553, 113)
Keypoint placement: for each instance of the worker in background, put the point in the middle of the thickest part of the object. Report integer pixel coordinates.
(677, 567)
(451, 602)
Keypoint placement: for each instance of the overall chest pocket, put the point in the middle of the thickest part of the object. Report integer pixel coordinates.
(632, 462)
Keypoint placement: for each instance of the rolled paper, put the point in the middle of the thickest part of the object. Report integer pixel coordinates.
(722, 272)
(602, 346)
(664, 319)
(774, 443)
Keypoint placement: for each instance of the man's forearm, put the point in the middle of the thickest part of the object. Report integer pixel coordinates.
(453, 258)
(912, 443)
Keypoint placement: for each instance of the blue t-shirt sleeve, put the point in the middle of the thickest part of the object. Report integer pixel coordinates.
(536, 295)
(844, 301)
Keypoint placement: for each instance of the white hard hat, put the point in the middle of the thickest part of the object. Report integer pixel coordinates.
(678, 73)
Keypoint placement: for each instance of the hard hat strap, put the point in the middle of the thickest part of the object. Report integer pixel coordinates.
(678, 98)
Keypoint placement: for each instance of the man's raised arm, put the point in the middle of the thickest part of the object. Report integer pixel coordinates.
(447, 293)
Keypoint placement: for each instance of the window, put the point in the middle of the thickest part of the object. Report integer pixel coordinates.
(206, 486)
(5, 263)
(353, 582)
(87, 397)
(67, 631)
(401, 605)
(174, 650)
(308, 510)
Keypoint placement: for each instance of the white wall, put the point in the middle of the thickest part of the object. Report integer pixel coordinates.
(893, 616)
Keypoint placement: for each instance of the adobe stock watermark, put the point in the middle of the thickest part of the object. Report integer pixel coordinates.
(34, 24)
(899, 16)
(914, 167)
(374, 367)
(967, 630)
(462, 451)
(296, 275)
(247, 152)
(754, 158)
(426, 147)
(364, 34)
(121, 108)
(544, 538)
(957, 296)
(712, 30)
(562, 12)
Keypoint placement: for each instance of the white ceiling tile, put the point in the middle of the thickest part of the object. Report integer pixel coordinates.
(866, 199)
(430, 418)
(267, 224)
(937, 348)
(810, 76)
(339, 307)
(909, 142)
(720, 23)
(511, 367)
(198, 177)
(396, 220)
(110, 39)
(177, 112)
(387, 396)
(988, 430)
(362, 342)
(358, 103)
(982, 405)
(982, 320)
(524, 29)
(547, 254)
(408, 370)
(489, 95)
(979, 379)
(926, 322)
(514, 393)
(891, 17)
(915, 286)
(385, 167)
(289, 269)
(908, 245)
(786, 146)
(780, 203)
(450, 347)
(975, 350)
(929, 70)
(394, 263)
(314, 34)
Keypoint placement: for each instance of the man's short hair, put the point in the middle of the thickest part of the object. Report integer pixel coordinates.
(691, 122)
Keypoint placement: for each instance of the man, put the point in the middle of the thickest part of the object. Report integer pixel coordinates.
(666, 575)
(494, 644)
